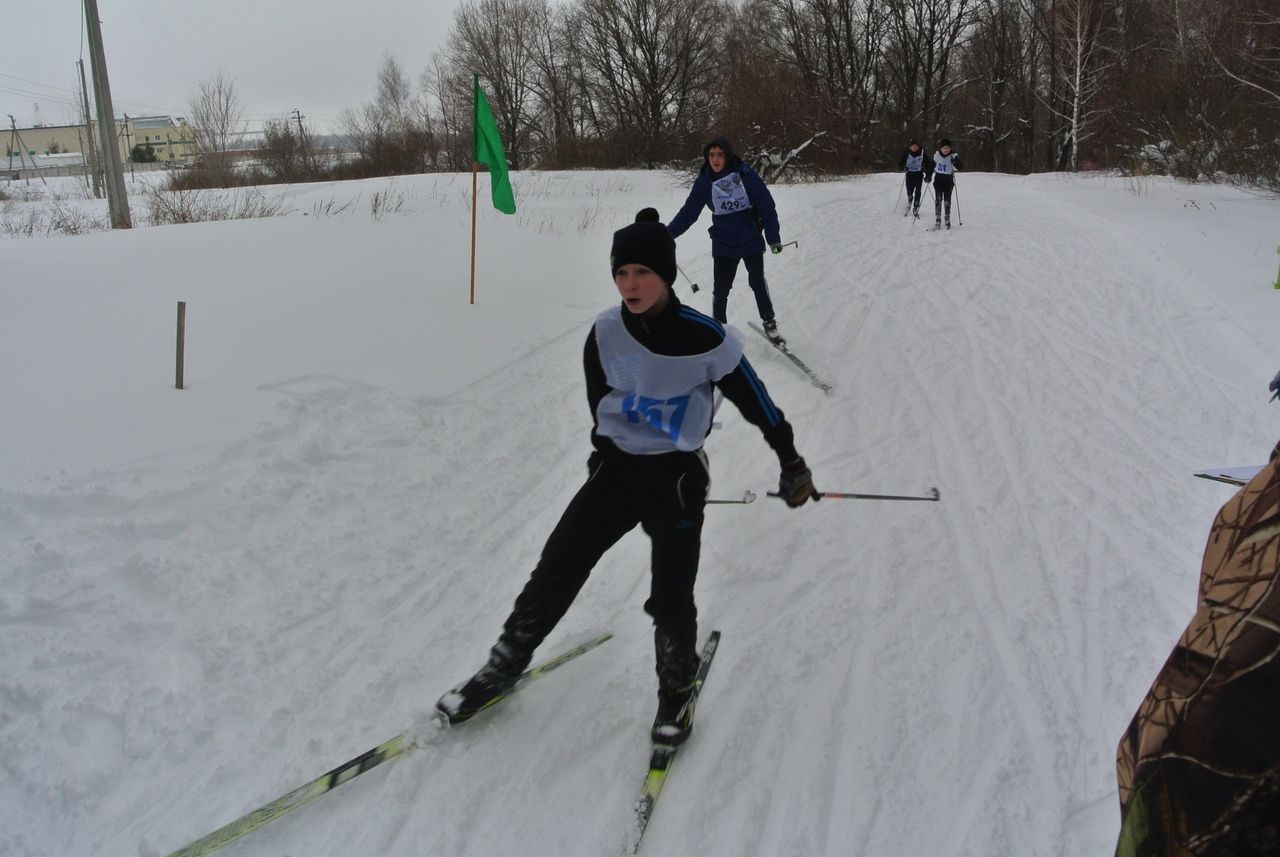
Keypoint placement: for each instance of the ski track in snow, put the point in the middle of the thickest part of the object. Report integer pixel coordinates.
(189, 631)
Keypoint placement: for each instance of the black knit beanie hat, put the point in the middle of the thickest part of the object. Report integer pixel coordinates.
(645, 242)
(944, 142)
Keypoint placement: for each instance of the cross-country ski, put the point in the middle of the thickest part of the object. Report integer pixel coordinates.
(786, 351)
(353, 768)
(663, 754)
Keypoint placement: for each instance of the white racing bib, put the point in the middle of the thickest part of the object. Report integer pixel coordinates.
(658, 403)
(729, 195)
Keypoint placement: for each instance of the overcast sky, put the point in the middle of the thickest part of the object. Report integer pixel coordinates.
(318, 56)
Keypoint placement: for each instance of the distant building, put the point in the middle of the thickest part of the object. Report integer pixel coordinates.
(171, 139)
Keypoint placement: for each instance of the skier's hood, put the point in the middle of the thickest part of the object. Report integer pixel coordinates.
(731, 159)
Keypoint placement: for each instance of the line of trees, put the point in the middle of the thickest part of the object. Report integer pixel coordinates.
(1187, 87)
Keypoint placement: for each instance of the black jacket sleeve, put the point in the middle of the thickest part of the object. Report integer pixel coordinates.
(748, 394)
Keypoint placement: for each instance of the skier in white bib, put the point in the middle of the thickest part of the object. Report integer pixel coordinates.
(912, 164)
(651, 365)
(942, 169)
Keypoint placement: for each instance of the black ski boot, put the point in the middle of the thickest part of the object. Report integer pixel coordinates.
(771, 331)
(674, 722)
(494, 680)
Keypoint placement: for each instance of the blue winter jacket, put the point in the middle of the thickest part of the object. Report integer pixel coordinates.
(740, 206)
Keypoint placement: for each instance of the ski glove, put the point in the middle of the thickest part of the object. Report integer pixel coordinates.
(928, 179)
(777, 248)
(795, 484)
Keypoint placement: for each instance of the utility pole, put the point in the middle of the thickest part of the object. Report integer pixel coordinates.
(117, 200)
(302, 141)
(128, 144)
(91, 162)
(22, 153)
(13, 132)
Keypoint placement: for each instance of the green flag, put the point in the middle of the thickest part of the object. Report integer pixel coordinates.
(488, 151)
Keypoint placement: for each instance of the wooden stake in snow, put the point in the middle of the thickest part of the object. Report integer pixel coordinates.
(182, 341)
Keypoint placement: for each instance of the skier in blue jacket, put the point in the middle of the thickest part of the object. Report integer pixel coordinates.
(741, 210)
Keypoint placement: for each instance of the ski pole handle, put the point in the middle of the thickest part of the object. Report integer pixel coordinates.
(692, 284)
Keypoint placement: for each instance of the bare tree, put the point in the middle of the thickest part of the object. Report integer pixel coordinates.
(924, 36)
(1253, 56)
(497, 39)
(651, 67)
(451, 90)
(393, 134)
(559, 98)
(837, 47)
(999, 62)
(215, 120)
(286, 151)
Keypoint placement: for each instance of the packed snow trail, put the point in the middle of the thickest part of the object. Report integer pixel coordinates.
(210, 597)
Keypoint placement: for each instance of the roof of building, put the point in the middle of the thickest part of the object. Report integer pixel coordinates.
(153, 122)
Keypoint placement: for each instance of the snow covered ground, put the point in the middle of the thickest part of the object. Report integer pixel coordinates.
(210, 596)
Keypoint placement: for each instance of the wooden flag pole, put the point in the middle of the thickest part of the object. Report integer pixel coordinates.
(182, 344)
(475, 167)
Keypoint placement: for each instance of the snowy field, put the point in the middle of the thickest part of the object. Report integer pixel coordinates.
(210, 596)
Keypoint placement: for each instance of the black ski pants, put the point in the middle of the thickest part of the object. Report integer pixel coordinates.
(915, 183)
(942, 185)
(724, 270)
(665, 495)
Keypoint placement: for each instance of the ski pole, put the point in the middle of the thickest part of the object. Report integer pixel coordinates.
(692, 284)
(899, 199)
(955, 185)
(747, 497)
(795, 244)
(932, 496)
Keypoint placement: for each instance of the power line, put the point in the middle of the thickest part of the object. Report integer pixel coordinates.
(39, 97)
(69, 93)
(35, 82)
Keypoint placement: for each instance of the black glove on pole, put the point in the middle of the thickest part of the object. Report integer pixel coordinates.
(795, 484)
